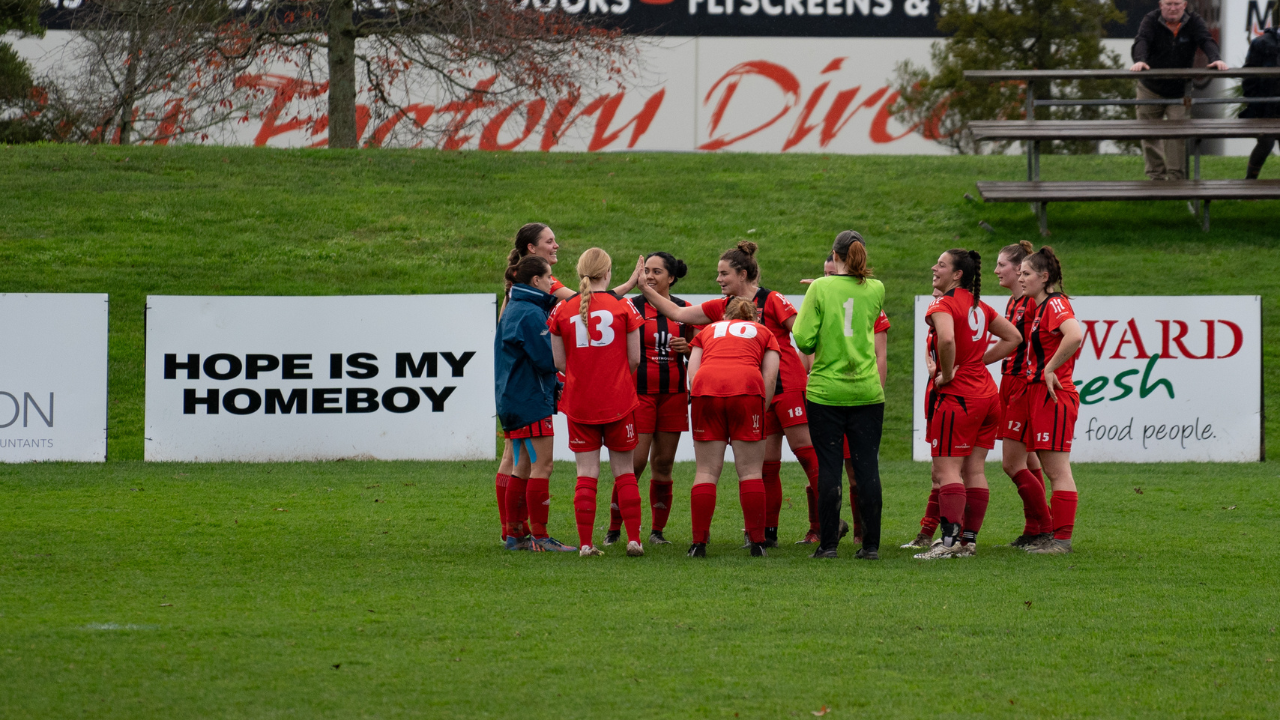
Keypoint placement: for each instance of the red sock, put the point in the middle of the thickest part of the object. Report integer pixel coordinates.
(517, 509)
(975, 509)
(537, 495)
(1064, 513)
(500, 489)
(951, 500)
(751, 494)
(808, 458)
(932, 510)
(1039, 473)
(1034, 507)
(702, 505)
(629, 504)
(584, 509)
(660, 496)
(772, 492)
(615, 513)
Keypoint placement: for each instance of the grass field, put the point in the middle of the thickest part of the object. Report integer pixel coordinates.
(159, 590)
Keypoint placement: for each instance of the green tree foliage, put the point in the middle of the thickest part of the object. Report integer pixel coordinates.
(1010, 35)
(23, 17)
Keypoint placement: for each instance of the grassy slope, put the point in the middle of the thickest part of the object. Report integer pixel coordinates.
(134, 221)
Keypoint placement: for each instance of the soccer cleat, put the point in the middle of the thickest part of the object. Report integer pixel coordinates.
(746, 540)
(771, 537)
(612, 537)
(655, 538)
(1038, 541)
(770, 543)
(938, 551)
(810, 538)
(519, 543)
(589, 551)
(550, 544)
(635, 549)
(865, 554)
(1023, 540)
(922, 541)
(967, 550)
(757, 550)
(821, 554)
(697, 550)
(1052, 547)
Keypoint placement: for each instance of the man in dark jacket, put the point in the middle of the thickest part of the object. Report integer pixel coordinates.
(1264, 51)
(1169, 37)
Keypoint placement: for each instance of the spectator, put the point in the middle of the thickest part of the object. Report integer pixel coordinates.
(1168, 38)
(1264, 51)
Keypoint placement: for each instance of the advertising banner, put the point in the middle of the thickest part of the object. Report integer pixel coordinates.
(256, 379)
(53, 377)
(1161, 379)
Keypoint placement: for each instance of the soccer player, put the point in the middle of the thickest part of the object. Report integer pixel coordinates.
(664, 400)
(845, 396)
(966, 409)
(1022, 467)
(929, 522)
(1052, 400)
(595, 338)
(732, 371)
(525, 386)
(738, 275)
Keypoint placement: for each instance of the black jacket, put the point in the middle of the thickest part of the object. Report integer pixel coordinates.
(1157, 46)
(1264, 51)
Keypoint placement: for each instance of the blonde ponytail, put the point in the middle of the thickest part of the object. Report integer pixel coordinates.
(594, 264)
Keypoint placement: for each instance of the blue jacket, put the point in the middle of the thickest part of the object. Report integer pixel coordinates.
(524, 372)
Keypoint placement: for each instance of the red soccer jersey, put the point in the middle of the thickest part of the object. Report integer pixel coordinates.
(598, 385)
(1045, 339)
(555, 285)
(972, 326)
(772, 311)
(732, 351)
(882, 324)
(1021, 313)
(661, 370)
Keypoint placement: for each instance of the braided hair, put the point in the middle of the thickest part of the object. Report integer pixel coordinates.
(594, 264)
(969, 263)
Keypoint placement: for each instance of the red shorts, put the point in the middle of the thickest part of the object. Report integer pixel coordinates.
(618, 435)
(1051, 425)
(786, 411)
(541, 428)
(664, 412)
(728, 418)
(1013, 408)
(958, 424)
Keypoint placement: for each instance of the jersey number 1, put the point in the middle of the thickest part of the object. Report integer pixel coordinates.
(848, 317)
(604, 326)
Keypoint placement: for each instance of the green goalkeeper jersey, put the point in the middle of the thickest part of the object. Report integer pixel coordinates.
(836, 325)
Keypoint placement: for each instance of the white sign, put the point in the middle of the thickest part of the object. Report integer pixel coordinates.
(53, 377)
(406, 377)
(1161, 379)
(684, 452)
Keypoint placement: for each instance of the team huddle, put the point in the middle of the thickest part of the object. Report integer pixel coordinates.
(629, 373)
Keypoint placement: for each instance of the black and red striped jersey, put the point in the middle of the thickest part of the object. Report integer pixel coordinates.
(1021, 313)
(661, 371)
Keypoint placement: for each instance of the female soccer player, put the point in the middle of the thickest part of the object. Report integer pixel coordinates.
(595, 338)
(1052, 400)
(739, 276)
(965, 412)
(845, 397)
(732, 371)
(664, 401)
(1022, 467)
(538, 240)
(525, 386)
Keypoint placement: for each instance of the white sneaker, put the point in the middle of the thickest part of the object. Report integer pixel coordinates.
(589, 550)
(635, 549)
(969, 550)
(938, 551)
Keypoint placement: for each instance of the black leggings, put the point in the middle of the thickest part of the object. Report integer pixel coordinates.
(1260, 153)
(829, 425)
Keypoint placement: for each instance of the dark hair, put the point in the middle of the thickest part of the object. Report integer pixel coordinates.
(739, 309)
(1017, 252)
(1045, 260)
(851, 249)
(526, 269)
(525, 237)
(743, 257)
(830, 257)
(674, 265)
(969, 263)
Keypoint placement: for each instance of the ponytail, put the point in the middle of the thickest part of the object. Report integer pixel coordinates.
(526, 237)
(593, 265)
(1046, 261)
(851, 250)
(743, 258)
(526, 269)
(1017, 252)
(969, 263)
